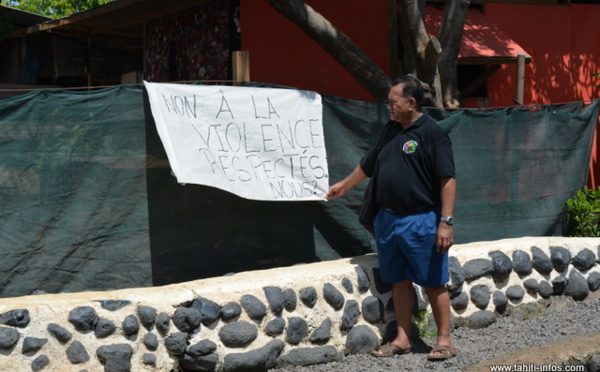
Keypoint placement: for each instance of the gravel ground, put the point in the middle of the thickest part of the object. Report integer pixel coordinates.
(524, 328)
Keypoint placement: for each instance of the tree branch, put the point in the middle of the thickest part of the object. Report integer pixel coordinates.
(368, 74)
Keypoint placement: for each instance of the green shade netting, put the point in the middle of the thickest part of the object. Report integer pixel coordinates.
(88, 201)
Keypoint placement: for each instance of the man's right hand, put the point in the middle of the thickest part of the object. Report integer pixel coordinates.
(342, 187)
(336, 190)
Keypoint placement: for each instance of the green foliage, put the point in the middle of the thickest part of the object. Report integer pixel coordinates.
(584, 213)
(422, 321)
(55, 8)
(597, 76)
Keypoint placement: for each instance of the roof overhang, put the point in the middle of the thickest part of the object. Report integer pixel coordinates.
(123, 19)
(20, 18)
(482, 43)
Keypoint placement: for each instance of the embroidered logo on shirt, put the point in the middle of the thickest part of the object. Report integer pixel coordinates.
(410, 147)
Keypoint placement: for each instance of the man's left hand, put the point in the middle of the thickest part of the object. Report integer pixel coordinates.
(445, 237)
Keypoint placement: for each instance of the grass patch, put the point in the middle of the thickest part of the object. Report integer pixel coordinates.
(421, 320)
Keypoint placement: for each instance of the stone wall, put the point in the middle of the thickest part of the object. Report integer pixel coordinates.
(300, 315)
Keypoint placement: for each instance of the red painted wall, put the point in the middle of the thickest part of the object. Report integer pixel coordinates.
(281, 53)
(565, 47)
(564, 43)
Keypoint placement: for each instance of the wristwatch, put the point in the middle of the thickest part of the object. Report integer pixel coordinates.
(448, 220)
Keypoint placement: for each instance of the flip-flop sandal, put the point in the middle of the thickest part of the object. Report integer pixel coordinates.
(444, 352)
(389, 350)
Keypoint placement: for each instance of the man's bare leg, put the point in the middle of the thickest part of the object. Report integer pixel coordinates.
(440, 306)
(403, 299)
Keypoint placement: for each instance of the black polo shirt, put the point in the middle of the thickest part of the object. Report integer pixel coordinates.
(410, 165)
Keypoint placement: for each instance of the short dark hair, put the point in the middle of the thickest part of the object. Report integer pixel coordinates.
(412, 88)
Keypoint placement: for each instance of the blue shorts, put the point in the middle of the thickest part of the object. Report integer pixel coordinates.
(406, 248)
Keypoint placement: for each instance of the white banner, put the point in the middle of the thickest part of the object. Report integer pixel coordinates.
(258, 143)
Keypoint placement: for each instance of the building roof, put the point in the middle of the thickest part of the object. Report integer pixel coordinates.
(482, 41)
(20, 18)
(119, 22)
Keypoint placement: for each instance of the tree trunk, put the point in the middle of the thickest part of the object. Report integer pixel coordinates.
(450, 36)
(368, 74)
(427, 49)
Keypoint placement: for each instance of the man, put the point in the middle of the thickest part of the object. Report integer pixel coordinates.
(416, 189)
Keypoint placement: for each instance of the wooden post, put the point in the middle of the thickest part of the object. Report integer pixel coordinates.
(55, 61)
(144, 53)
(520, 78)
(241, 66)
(89, 66)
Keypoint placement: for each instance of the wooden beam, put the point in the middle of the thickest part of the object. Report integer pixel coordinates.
(143, 17)
(113, 15)
(529, 2)
(491, 60)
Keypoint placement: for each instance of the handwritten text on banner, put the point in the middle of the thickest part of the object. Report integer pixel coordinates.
(258, 143)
